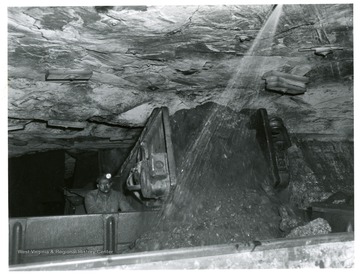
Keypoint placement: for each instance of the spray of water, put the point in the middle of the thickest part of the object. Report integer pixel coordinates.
(246, 78)
(251, 66)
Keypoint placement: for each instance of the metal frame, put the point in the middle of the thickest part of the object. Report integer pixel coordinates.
(188, 257)
(280, 174)
(105, 232)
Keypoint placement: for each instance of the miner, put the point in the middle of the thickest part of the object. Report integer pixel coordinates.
(104, 199)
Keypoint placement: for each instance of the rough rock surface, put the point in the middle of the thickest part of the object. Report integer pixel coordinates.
(178, 56)
(289, 220)
(318, 226)
(320, 169)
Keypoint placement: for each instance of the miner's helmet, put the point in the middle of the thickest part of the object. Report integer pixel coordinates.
(106, 176)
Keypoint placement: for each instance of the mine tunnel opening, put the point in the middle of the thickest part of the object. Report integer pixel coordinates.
(53, 183)
(34, 182)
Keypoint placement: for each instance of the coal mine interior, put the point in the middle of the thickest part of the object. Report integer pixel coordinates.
(224, 129)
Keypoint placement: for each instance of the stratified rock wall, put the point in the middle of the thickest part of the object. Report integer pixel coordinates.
(176, 56)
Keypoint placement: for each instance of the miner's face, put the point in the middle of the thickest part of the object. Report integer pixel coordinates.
(104, 185)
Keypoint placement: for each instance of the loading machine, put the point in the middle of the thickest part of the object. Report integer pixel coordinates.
(79, 241)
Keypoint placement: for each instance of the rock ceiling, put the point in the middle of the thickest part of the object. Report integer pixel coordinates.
(142, 57)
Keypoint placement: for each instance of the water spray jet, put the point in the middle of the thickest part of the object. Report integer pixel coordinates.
(200, 146)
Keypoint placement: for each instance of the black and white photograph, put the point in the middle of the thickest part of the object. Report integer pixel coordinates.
(179, 136)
